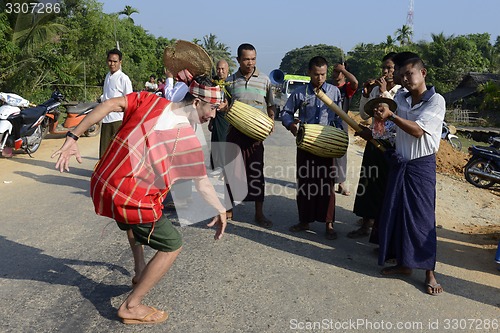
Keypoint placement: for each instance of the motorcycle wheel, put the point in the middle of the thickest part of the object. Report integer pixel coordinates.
(93, 130)
(33, 147)
(45, 127)
(476, 180)
(455, 143)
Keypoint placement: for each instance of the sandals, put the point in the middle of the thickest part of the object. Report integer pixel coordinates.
(331, 234)
(342, 190)
(299, 227)
(264, 222)
(359, 233)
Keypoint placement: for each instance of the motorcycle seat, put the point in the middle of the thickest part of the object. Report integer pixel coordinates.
(489, 150)
(30, 115)
(82, 107)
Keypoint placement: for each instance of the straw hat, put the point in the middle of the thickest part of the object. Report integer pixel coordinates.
(186, 55)
(373, 103)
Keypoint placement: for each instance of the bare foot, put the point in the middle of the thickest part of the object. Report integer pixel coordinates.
(141, 314)
(396, 270)
(330, 233)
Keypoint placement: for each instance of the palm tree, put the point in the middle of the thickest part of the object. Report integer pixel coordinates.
(217, 50)
(389, 44)
(404, 34)
(441, 38)
(128, 11)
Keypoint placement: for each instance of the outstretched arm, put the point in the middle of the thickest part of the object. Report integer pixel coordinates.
(207, 191)
(70, 148)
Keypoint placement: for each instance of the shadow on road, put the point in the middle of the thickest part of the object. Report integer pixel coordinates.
(82, 184)
(350, 254)
(22, 262)
(83, 172)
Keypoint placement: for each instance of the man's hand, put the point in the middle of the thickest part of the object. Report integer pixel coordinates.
(294, 127)
(382, 83)
(339, 68)
(382, 112)
(68, 149)
(365, 133)
(221, 223)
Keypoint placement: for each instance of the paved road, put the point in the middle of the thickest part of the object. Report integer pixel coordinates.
(64, 269)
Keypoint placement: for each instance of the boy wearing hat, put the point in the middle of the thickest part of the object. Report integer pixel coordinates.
(407, 228)
(155, 146)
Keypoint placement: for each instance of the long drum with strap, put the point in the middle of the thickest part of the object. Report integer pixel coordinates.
(250, 121)
(323, 141)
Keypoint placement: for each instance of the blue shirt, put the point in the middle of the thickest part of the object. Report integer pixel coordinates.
(311, 109)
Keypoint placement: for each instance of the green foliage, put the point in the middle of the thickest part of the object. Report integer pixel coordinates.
(365, 60)
(68, 51)
(217, 51)
(404, 35)
(448, 59)
(296, 61)
(491, 92)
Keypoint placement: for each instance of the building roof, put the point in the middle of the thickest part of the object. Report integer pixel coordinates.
(468, 85)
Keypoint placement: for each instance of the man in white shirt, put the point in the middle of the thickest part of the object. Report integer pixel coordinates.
(116, 84)
(407, 228)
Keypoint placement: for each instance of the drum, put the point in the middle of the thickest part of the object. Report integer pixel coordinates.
(323, 141)
(250, 121)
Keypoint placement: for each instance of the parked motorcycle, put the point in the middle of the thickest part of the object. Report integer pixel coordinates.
(20, 122)
(75, 114)
(448, 134)
(483, 168)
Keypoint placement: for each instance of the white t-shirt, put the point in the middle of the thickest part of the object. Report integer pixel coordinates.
(115, 85)
(150, 86)
(429, 115)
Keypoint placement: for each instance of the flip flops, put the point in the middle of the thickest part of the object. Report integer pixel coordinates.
(264, 222)
(331, 235)
(359, 233)
(299, 227)
(145, 319)
(434, 289)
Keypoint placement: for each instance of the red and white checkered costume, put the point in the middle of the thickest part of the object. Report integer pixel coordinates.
(142, 162)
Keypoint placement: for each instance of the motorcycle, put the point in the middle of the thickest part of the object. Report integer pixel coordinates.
(448, 134)
(75, 114)
(483, 168)
(20, 122)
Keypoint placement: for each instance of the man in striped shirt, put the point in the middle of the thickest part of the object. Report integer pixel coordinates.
(155, 147)
(250, 86)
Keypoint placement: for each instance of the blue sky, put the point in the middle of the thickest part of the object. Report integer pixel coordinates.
(275, 27)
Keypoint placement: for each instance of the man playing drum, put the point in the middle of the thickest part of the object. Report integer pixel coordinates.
(315, 175)
(248, 85)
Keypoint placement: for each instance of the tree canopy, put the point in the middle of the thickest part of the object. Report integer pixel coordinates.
(68, 51)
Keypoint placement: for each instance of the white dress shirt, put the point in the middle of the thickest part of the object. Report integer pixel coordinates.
(115, 85)
(429, 115)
